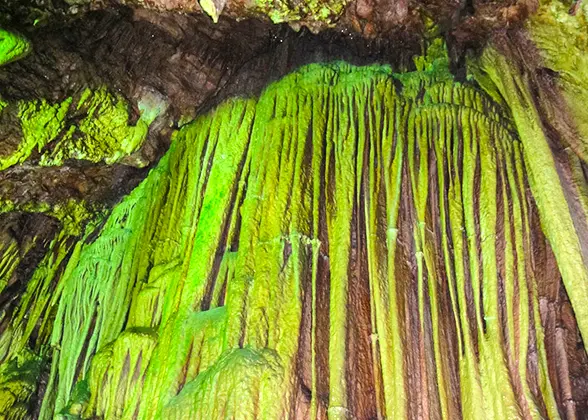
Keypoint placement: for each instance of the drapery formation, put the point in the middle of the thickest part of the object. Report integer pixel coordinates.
(354, 243)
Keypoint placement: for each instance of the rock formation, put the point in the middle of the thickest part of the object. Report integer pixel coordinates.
(371, 210)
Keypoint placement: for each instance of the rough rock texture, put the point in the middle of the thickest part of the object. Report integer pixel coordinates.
(282, 304)
(371, 18)
(114, 85)
(72, 109)
(387, 241)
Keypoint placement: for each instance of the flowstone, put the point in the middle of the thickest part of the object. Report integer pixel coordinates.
(354, 242)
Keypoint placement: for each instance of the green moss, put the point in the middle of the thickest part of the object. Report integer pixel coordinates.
(18, 383)
(41, 123)
(103, 133)
(79, 400)
(435, 59)
(73, 214)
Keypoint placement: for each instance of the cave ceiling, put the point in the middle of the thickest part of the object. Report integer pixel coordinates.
(173, 51)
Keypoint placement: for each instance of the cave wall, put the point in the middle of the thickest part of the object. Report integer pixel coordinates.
(382, 241)
(258, 240)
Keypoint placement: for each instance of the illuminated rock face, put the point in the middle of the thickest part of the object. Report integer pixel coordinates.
(12, 47)
(354, 243)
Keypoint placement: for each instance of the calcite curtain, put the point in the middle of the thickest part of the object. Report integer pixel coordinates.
(353, 243)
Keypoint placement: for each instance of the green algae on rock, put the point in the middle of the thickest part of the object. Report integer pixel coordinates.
(346, 212)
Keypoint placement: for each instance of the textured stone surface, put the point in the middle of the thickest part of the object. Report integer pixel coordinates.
(339, 190)
(404, 241)
(370, 18)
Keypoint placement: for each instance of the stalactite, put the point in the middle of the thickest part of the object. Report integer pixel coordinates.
(355, 242)
(544, 179)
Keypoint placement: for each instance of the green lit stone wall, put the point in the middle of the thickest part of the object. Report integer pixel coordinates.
(12, 47)
(95, 128)
(362, 235)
